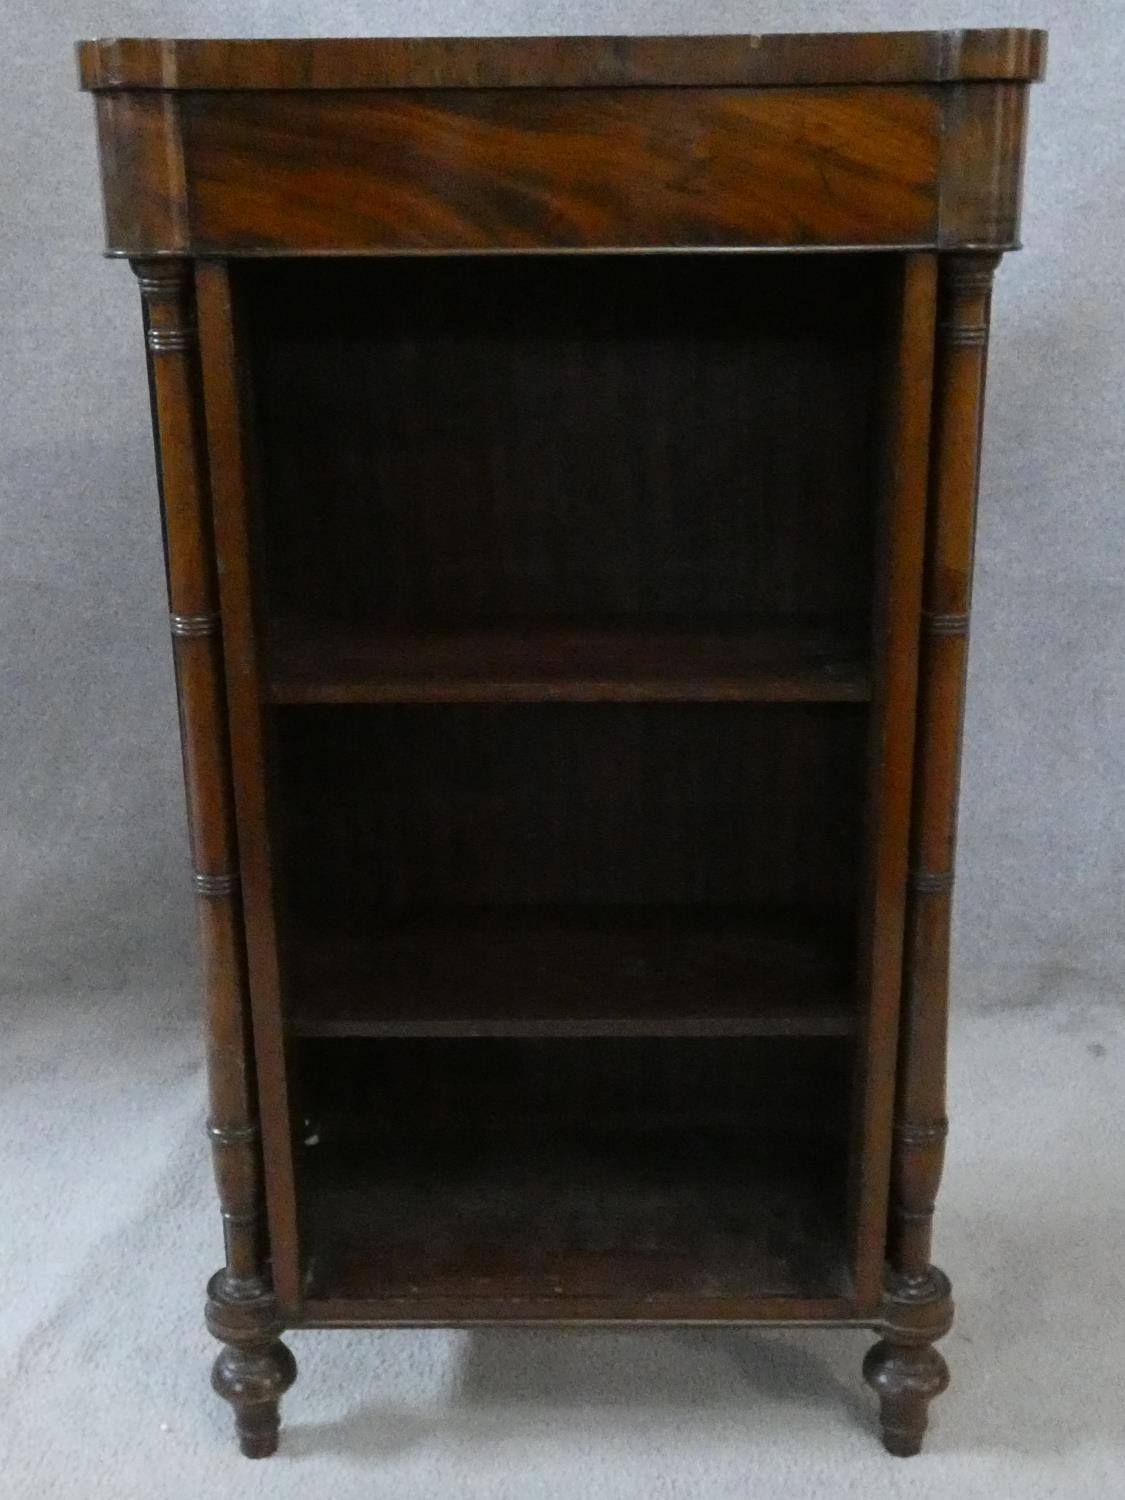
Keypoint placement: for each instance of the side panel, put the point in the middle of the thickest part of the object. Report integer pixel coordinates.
(982, 164)
(230, 481)
(895, 650)
(142, 169)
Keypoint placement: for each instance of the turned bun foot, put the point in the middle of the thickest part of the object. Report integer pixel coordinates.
(904, 1369)
(906, 1379)
(254, 1379)
(254, 1368)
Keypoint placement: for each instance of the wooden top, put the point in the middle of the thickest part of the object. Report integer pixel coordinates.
(779, 60)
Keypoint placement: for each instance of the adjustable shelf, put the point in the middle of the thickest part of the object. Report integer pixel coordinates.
(312, 663)
(579, 973)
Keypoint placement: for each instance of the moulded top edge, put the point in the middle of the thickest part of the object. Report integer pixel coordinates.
(774, 60)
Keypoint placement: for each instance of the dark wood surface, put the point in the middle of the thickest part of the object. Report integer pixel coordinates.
(596, 972)
(254, 1368)
(550, 169)
(561, 62)
(771, 664)
(230, 445)
(904, 1368)
(897, 604)
(251, 148)
(570, 651)
(617, 1218)
(795, 1087)
(682, 805)
(570, 441)
(518, 1179)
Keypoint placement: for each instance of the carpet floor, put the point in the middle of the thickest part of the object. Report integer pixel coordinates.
(110, 1230)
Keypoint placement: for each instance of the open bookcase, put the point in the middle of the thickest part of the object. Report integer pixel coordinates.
(570, 650)
(565, 582)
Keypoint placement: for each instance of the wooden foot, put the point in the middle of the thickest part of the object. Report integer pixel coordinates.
(904, 1369)
(906, 1379)
(254, 1368)
(253, 1380)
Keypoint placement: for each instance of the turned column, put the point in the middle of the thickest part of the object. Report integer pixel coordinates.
(254, 1368)
(904, 1367)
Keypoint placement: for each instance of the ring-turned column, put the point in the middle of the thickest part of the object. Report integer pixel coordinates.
(254, 1368)
(904, 1368)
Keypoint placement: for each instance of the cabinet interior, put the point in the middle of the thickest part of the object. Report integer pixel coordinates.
(566, 581)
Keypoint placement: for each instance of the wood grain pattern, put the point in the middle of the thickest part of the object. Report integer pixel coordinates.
(549, 169)
(364, 147)
(562, 62)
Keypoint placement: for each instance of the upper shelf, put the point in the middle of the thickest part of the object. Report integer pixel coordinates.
(780, 60)
(309, 664)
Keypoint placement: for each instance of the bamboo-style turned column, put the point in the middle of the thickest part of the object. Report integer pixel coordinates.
(254, 1368)
(904, 1368)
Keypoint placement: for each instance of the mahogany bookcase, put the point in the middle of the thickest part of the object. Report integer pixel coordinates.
(568, 458)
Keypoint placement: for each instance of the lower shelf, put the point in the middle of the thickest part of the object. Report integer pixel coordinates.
(680, 1223)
